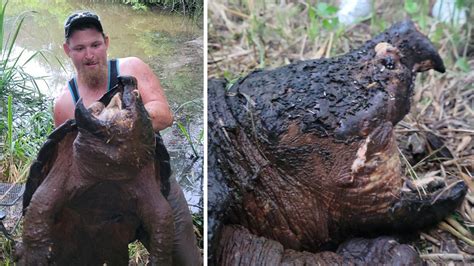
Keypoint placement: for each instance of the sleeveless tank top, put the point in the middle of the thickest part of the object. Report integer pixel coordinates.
(112, 72)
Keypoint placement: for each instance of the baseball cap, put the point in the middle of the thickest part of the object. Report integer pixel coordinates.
(80, 18)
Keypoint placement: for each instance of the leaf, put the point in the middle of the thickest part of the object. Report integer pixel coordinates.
(228, 75)
(462, 64)
(324, 10)
(460, 4)
(411, 7)
(330, 23)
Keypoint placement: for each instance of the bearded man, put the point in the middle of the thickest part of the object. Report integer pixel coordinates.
(86, 44)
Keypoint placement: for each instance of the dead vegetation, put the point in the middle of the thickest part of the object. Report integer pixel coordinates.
(435, 139)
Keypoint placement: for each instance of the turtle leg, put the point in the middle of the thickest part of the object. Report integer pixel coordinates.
(381, 250)
(38, 247)
(157, 219)
(237, 246)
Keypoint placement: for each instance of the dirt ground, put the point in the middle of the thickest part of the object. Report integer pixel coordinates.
(435, 139)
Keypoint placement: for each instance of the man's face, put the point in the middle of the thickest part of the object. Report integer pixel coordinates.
(88, 51)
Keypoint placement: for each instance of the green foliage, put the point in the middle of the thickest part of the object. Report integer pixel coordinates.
(137, 253)
(323, 16)
(198, 228)
(463, 64)
(418, 11)
(187, 7)
(9, 124)
(21, 100)
(313, 29)
(30, 139)
(184, 126)
(136, 4)
(411, 7)
(184, 130)
(6, 256)
(231, 79)
(377, 24)
(255, 36)
(454, 39)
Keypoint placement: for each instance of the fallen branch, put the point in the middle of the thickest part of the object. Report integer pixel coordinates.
(447, 256)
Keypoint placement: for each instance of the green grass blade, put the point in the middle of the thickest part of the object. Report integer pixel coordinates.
(15, 63)
(10, 123)
(185, 132)
(201, 136)
(15, 35)
(35, 54)
(2, 19)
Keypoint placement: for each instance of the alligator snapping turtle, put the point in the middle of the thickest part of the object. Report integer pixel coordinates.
(96, 186)
(303, 157)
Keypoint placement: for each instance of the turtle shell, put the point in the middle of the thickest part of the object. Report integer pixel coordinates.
(98, 183)
(48, 153)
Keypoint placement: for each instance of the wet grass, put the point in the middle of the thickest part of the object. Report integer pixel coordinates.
(247, 35)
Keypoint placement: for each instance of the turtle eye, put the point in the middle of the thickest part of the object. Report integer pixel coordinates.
(388, 62)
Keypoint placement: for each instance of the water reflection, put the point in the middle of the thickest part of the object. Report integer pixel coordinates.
(171, 44)
(152, 36)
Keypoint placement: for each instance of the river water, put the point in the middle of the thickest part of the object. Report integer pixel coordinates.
(170, 43)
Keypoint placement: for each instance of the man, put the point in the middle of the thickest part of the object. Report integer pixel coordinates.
(86, 45)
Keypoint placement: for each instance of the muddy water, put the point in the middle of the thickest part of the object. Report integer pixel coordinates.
(171, 44)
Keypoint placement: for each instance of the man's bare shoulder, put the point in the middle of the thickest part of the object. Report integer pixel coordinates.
(63, 107)
(150, 89)
(131, 65)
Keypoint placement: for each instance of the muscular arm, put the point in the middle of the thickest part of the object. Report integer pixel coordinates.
(150, 89)
(63, 108)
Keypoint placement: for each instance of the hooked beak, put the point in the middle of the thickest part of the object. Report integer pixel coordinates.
(418, 52)
(85, 120)
(123, 98)
(438, 64)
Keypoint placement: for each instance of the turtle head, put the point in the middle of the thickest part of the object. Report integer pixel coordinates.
(116, 130)
(413, 48)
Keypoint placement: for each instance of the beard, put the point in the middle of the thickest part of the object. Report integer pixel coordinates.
(95, 78)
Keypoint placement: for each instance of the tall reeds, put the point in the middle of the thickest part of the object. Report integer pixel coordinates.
(20, 100)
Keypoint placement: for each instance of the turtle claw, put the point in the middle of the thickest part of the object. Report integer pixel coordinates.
(412, 211)
(381, 250)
